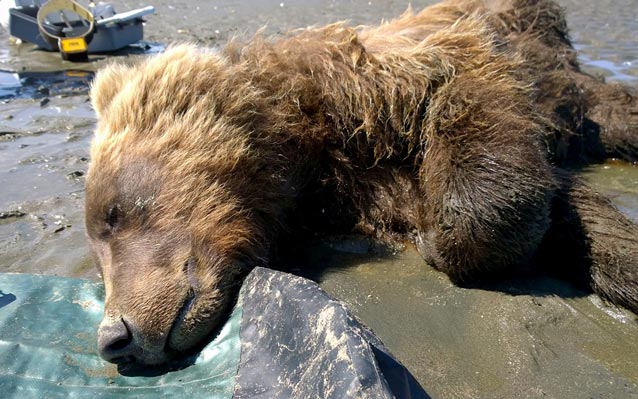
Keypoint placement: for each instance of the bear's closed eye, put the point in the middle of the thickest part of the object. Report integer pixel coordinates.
(113, 216)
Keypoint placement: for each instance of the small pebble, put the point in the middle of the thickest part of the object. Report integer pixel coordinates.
(75, 174)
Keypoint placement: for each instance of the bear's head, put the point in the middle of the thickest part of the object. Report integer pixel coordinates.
(178, 198)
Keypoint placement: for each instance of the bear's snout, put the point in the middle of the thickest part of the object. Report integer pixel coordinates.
(115, 341)
(120, 342)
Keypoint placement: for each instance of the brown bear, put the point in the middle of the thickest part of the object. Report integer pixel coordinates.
(445, 127)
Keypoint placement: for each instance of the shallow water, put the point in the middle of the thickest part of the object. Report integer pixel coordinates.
(529, 339)
(619, 182)
(606, 35)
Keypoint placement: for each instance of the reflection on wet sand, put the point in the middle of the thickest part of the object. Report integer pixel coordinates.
(37, 85)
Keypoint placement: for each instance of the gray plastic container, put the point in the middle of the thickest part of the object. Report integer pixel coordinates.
(24, 26)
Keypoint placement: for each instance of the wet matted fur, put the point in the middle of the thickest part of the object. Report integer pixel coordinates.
(446, 127)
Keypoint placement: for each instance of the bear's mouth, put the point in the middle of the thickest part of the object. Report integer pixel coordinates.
(188, 303)
(186, 307)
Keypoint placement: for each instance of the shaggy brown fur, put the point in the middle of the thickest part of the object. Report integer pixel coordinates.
(438, 127)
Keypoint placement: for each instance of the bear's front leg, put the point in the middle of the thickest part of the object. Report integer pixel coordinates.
(486, 183)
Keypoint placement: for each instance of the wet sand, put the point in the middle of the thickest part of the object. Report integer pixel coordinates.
(537, 338)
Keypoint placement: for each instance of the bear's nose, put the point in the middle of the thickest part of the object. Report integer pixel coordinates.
(115, 341)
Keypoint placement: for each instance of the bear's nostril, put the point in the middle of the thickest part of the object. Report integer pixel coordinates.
(115, 341)
(119, 344)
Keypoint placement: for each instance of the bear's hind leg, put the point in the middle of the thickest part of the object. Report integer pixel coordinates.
(590, 242)
(486, 183)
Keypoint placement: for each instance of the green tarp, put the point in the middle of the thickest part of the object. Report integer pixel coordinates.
(48, 348)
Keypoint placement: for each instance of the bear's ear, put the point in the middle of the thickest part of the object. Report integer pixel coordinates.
(107, 83)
